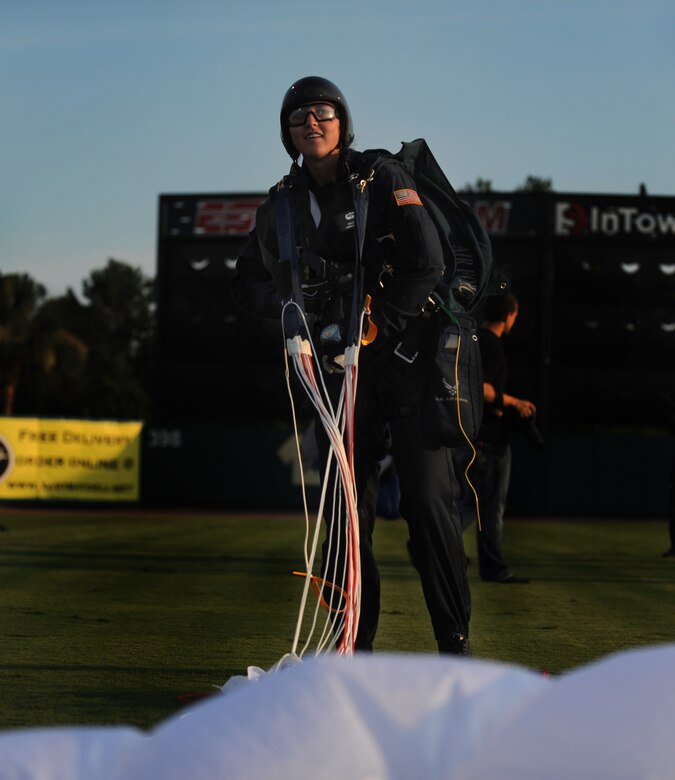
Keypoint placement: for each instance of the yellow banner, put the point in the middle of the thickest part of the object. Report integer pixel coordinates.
(69, 459)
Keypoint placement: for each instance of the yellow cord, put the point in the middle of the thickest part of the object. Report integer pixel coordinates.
(461, 427)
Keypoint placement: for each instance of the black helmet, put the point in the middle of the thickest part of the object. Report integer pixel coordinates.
(314, 89)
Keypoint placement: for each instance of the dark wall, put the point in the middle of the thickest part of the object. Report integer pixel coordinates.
(214, 361)
(241, 467)
(594, 348)
(594, 345)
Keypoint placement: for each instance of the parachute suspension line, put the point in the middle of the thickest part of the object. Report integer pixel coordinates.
(335, 620)
(308, 381)
(339, 427)
(308, 558)
(353, 544)
(297, 450)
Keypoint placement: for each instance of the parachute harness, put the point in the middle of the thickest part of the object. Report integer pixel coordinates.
(339, 590)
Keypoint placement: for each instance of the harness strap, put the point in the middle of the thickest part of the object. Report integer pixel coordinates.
(289, 265)
(289, 260)
(360, 197)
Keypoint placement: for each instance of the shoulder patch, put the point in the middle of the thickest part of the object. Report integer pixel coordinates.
(407, 198)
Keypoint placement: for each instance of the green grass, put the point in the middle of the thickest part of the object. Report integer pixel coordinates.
(109, 617)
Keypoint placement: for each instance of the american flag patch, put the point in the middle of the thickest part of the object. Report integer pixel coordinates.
(407, 198)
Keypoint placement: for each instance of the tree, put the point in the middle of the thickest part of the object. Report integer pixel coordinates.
(67, 357)
(119, 322)
(20, 297)
(480, 185)
(536, 184)
(34, 351)
(61, 389)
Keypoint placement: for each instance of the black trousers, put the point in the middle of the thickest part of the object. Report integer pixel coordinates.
(429, 491)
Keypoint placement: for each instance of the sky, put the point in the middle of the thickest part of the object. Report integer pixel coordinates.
(106, 105)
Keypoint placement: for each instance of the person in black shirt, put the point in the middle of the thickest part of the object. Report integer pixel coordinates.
(490, 473)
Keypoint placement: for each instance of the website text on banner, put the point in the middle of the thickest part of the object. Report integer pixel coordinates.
(73, 460)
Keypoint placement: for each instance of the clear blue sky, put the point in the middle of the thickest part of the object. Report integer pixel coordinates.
(106, 104)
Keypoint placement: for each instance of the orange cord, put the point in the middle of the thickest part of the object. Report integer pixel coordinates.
(319, 590)
(371, 328)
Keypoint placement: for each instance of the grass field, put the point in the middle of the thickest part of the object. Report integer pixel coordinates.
(112, 617)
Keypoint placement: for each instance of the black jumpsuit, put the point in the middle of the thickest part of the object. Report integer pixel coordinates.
(401, 236)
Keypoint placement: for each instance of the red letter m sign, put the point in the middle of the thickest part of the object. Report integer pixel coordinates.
(493, 214)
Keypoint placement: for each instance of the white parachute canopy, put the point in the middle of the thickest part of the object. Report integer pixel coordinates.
(385, 717)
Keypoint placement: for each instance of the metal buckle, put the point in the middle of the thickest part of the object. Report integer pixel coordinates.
(405, 356)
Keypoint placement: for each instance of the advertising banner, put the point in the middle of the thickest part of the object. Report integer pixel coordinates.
(70, 460)
(614, 217)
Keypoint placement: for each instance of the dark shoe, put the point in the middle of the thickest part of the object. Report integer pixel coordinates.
(458, 644)
(669, 553)
(511, 579)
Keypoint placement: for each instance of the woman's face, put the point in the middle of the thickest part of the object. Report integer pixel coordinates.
(316, 138)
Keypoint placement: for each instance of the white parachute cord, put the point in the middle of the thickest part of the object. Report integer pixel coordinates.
(334, 623)
(308, 563)
(354, 586)
(304, 369)
(342, 479)
(335, 581)
(345, 622)
(329, 577)
(308, 567)
(297, 442)
(334, 426)
(330, 629)
(295, 428)
(352, 562)
(343, 487)
(325, 394)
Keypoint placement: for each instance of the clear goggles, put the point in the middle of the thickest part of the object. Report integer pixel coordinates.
(322, 112)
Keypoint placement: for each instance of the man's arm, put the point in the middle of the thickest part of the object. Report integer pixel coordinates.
(503, 400)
